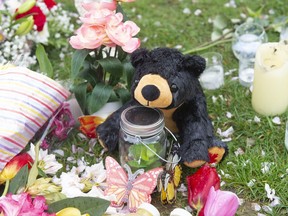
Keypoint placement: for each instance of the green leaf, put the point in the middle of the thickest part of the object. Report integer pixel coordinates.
(44, 62)
(34, 169)
(80, 92)
(113, 66)
(78, 59)
(124, 94)
(93, 206)
(54, 197)
(99, 97)
(128, 73)
(19, 181)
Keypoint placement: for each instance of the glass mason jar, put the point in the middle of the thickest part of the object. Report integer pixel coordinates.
(142, 140)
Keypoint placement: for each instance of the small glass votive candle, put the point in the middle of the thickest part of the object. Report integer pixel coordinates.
(142, 141)
(246, 72)
(213, 75)
(246, 40)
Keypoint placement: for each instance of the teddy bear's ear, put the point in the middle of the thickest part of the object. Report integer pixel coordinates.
(139, 56)
(194, 64)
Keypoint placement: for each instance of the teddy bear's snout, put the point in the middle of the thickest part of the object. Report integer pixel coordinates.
(150, 92)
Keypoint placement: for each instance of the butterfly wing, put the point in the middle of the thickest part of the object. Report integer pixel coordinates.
(177, 175)
(117, 180)
(143, 186)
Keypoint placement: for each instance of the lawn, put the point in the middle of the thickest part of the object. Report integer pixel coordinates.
(257, 141)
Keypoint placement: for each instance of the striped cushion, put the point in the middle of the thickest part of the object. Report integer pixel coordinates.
(27, 100)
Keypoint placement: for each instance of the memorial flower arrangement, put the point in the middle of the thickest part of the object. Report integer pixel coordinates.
(35, 182)
(100, 65)
(26, 24)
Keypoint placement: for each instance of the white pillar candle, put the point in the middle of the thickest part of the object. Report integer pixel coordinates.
(270, 85)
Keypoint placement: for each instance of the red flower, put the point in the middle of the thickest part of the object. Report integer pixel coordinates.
(38, 16)
(50, 3)
(199, 185)
(14, 165)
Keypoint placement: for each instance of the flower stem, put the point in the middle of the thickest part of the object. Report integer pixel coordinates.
(201, 48)
(6, 188)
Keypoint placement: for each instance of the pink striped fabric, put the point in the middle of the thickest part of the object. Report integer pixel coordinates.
(27, 100)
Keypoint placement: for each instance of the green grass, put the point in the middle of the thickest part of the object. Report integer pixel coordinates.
(163, 23)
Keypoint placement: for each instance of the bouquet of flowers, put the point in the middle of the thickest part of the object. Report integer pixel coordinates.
(100, 66)
(25, 24)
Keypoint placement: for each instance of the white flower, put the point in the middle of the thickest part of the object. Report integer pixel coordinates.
(239, 151)
(257, 119)
(229, 115)
(266, 167)
(271, 196)
(276, 120)
(267, 209)
(70, 183)
(186, 11)
(197, 12)
(46, 162)
(255, 206)
(251, 183)
(226, 133)
(96, 173)
(214, 99)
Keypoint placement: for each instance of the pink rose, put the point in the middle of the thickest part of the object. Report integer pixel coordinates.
(97, 17)
(88, 37)
(112, 5)
(122, 33)
(125, 0)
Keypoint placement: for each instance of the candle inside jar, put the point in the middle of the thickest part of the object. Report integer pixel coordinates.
(270, 87)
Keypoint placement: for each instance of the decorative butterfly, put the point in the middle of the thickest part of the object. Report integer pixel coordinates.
(132, 189)
(169, 180)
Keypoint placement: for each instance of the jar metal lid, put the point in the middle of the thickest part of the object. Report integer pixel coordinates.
(142, 121)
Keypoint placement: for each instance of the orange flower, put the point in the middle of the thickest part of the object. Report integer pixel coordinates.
(89, 124)
(14, 165)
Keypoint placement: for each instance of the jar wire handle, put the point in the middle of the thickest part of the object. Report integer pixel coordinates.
(161, 158)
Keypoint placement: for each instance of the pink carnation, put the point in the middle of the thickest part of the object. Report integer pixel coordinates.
(23, 205)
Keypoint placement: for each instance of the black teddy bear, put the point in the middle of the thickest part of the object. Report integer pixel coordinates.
(168, 80)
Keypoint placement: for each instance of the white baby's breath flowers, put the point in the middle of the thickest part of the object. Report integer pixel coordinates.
(46, 162)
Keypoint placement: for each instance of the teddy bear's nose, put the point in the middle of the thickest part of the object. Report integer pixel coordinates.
(150, 92)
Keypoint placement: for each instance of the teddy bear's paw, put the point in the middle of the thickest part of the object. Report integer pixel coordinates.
(195, 164)
(216, 154)
(194, 155)
(108, 138)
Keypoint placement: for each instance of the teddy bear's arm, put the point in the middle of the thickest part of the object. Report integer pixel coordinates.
(108, 131)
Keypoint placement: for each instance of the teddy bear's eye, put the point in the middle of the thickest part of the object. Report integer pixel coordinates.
(136, 81)
(174, 88)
